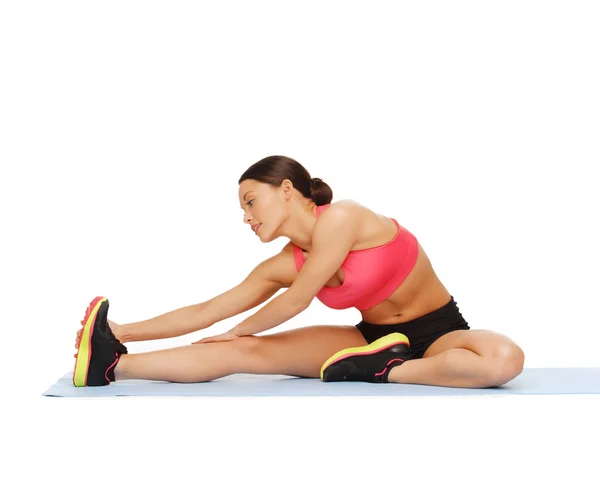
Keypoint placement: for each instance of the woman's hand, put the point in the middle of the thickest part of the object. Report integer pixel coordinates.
(114, 328)
(227, 336)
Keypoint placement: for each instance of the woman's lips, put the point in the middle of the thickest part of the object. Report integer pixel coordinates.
(258, 228)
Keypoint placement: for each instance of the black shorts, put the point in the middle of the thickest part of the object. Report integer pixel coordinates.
(422, 331)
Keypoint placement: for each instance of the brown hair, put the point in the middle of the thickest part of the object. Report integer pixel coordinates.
(274, 169)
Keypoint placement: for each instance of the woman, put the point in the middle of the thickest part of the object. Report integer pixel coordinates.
(345, 255)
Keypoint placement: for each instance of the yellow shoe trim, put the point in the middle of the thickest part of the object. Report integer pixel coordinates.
(85, 348)
(381, 343)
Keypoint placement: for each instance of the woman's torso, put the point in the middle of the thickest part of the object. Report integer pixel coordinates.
(420, 293)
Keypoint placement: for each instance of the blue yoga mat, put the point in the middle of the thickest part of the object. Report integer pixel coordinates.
(530, 381)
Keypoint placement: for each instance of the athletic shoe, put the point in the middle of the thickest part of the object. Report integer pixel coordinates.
(371, 363)
(99, 350)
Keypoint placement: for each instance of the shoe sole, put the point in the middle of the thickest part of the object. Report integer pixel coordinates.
(380, 344)
(84, 352)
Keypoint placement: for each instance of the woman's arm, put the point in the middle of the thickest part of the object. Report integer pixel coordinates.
(256, 288)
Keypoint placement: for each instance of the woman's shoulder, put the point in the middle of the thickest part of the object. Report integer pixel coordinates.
(350, 206)
(355, 209)
(345, 204)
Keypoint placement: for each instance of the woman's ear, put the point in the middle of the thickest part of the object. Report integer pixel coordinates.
(287, 187)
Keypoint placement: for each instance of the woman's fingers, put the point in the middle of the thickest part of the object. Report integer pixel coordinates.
(78, 338)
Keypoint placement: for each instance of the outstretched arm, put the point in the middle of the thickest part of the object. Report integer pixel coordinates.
(256, 288)
(275, 312)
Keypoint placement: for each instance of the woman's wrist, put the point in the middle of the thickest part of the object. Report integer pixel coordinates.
(120, 332)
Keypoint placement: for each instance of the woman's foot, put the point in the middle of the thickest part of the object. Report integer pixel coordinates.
(98, 350)
(371, 363)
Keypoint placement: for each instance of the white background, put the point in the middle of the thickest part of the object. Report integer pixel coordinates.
(124, 129)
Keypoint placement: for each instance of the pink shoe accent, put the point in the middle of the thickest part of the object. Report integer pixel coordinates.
(388, 364)
(114, 363)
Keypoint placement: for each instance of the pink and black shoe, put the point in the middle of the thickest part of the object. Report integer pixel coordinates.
(371, 363)
(99, 350)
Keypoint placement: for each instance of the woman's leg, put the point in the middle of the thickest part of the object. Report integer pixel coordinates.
(299, 352)
(464, 358)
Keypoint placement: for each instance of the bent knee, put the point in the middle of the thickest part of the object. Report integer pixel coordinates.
(507, 363)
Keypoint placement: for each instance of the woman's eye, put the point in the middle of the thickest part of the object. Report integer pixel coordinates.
(248, 203)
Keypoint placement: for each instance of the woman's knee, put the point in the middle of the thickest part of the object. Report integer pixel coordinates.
(249, 345)
(507, 363)
(258, 354)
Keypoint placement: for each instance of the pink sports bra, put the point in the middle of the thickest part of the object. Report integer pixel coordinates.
(370, 275)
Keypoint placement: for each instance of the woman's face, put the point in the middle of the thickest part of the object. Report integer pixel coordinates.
(261, 206)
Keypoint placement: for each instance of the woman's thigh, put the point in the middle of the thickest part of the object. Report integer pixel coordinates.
(300, 352)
